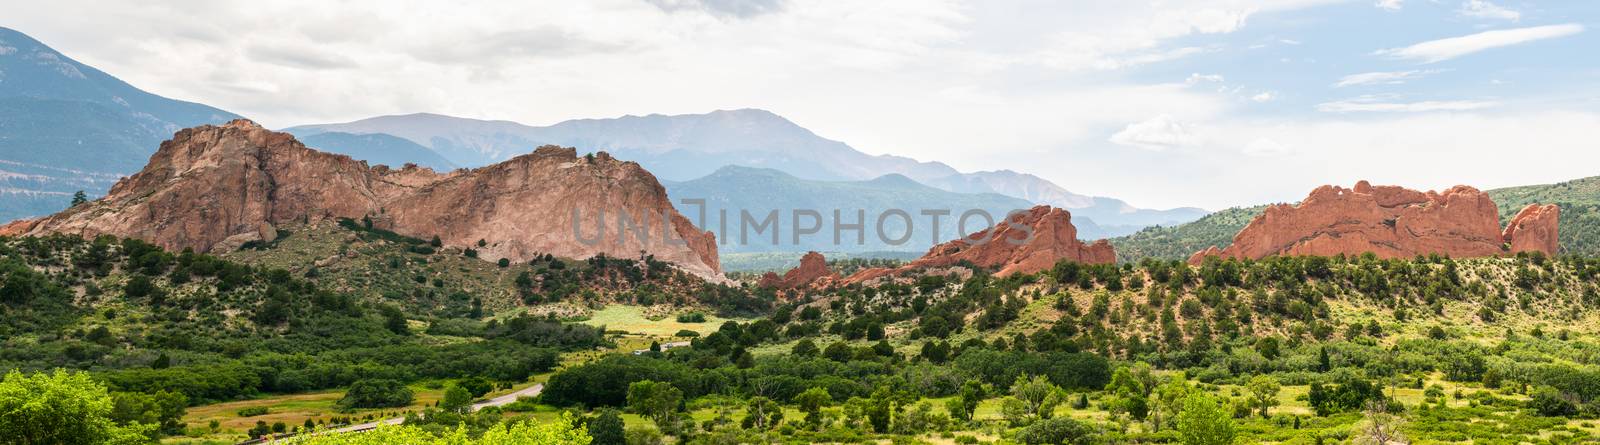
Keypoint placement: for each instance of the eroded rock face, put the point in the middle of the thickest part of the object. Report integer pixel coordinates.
(1389, 221)
(524, 207)
(1010, 248)
(1534, 229)
(216, 187)
(813, 269)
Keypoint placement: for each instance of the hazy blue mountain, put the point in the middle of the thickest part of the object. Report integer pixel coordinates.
(464, 142)
(378, 148)
(683, 147)
(759, 191)
(65, 126)
(1116, 217)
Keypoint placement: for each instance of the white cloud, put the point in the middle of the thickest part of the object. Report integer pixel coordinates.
(1110, 35)
(1457, 148)
(1196, 78)
(1483, 9)
(1147, 58)
(1446, 49)
(1379, 104)
(1034, 82)
(1392, 5)
(1157, 134)
(1382, 77)
(1265, 96)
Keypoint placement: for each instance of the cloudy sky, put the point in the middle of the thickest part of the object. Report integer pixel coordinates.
(1209, 103)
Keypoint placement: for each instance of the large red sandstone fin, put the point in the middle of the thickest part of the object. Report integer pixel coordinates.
(1390, 222)
(215, 187)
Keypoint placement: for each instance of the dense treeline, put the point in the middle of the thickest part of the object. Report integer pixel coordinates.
(149, 320)
(1252, 325)
(1180, 241)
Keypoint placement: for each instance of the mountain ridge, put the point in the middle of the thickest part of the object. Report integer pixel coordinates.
(752, 189)
(59, 116)
(687, 146)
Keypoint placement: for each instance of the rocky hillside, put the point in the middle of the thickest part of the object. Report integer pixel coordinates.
(216, 188)
(1391, 222)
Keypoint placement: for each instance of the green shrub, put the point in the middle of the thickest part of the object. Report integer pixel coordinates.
(376, 393)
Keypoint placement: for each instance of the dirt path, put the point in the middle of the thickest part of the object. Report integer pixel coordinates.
(530, 391)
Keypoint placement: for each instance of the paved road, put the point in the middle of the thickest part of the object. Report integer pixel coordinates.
(530, 391)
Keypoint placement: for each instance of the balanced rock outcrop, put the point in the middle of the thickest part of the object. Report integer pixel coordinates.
(213, 188)
(1391, 222)
(1026, 242)
(813, 269)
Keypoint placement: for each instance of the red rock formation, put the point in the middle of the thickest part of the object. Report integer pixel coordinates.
(813, 268)
(1534, 229)
(1200, 256)
(18, 227)
(523, 207)
(1389, 221)
(1025, 243)
(216, 187)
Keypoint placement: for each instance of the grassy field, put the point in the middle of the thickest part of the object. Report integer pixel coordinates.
(294, 409)
(632, 319)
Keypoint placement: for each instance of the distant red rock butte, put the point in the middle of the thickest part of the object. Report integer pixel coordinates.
(214, 188)
(1391, 222)
(813, 269)
(1054, 239)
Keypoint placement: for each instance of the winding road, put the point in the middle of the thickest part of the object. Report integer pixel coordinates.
(530, 391)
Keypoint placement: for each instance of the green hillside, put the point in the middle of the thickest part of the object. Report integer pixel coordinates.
(333, 324)
(1579, 200)
(1178, 242)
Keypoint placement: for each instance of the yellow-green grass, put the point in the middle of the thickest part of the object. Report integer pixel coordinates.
(294, 409)
(632, 319)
